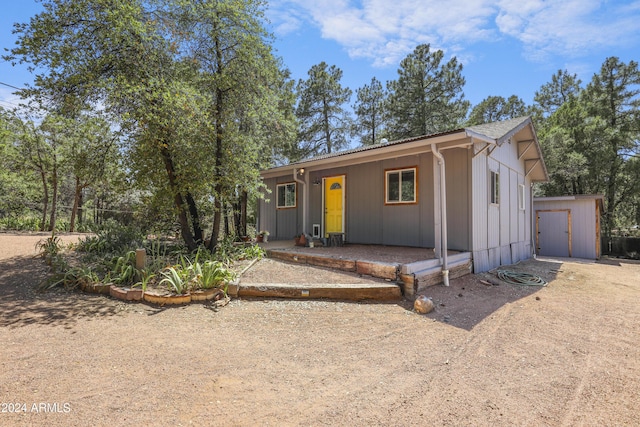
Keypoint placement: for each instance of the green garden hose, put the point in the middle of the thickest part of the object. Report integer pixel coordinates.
(518, 278)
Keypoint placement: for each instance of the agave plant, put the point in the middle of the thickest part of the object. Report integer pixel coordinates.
(177, 279)
(71, 279)
(214, 274)
(50, 248)
(146, 276)
(125, 272)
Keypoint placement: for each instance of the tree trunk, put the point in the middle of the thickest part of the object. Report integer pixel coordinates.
(185, 231)
(327, 128)
(45, 199)
(80, 209)
(225, 216)
(54, 195)
(243, 213)
(96, 209)
(76, 202)
(218, 114)
(195, 218)
(217, 207)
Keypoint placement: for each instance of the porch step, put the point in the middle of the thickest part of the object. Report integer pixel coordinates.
(418, 281)
(335, 291)
(381, 270)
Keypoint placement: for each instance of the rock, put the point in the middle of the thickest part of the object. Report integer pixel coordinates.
(423, 305)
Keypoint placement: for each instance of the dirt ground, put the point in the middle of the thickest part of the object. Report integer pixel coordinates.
(564, 355)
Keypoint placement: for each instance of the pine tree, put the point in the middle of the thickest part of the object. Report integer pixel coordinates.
(496, 108)
(428, 95)
(324, 121)
(369, 110)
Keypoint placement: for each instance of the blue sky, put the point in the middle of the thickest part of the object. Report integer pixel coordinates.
(507, 47)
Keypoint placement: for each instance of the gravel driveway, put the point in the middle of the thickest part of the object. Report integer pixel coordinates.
(563, 355)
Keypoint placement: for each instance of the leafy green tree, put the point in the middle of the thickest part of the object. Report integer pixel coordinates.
(193, 86)
(369, 110)
(559, 116)
(590, 137)
(248, 110)
(19, 189)
(324, 122)
(561, 138)
(562, 88)
(496, 108)
(428, 95)
(612, 101)
(39, 154)
(90, 153)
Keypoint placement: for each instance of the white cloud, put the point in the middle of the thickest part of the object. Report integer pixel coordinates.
(8, 100)
(572, 28)
(385, 31)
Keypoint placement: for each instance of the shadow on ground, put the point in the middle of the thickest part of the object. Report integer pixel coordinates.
(468, 301)
(21, 303)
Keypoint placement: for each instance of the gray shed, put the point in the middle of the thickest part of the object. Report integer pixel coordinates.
(568, 226)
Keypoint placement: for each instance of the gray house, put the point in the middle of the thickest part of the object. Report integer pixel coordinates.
(466, 190)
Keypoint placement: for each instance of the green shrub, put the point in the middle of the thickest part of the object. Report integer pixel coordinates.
(20, 223)
(112, 238)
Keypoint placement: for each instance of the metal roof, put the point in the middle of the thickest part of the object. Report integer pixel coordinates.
(490, 133)
(372, 147)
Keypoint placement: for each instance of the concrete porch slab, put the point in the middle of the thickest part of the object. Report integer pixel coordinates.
(403, 267)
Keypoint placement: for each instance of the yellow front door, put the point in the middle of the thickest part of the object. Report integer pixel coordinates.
(333, 215)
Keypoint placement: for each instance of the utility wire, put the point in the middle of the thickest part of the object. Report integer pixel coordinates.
(11, 86)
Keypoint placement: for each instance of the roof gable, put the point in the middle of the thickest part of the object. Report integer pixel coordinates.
(500, 131)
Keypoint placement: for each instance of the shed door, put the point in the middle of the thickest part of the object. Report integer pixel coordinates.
(554, 233)
(333, 204)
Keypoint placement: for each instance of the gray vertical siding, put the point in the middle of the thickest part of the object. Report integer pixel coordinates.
(365, 199)
(282, 224)
(500, 233)
(457, 166)
(514, 214)
(267, 213)
(315, 200)
(402, 223)
(505, 207)
(427, 232)
(480, 208)
(368, 220)
(583, 223)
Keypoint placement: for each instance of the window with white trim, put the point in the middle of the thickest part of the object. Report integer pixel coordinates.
(494, 191)
(400, 186)
(286, 195)
(521, 199)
